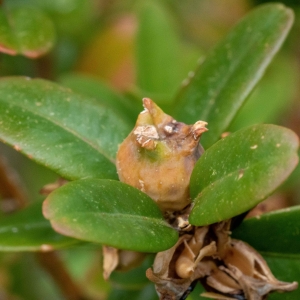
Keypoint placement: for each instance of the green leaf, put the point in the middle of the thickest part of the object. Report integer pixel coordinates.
(285, 269)
(66, 132)
(97, 89)
(293, 180)
(147, 293)
(111, 213)
(27, 31)
(198, 290)
(241, 170)
(158, 51)
(28, 230)
(273, 96)
(276, 232)
(73, 19)
(222, 83)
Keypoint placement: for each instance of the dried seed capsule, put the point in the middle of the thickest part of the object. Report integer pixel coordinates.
(228, 268)
(193, 253)
(159, 155)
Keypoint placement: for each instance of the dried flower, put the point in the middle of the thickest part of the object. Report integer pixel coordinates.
(228, 268)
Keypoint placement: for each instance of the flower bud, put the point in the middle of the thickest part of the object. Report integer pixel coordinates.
(159, 155)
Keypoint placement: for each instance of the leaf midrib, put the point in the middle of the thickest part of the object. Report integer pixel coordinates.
(120, 215)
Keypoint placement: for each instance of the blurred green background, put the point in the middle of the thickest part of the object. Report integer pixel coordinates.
(136, 49)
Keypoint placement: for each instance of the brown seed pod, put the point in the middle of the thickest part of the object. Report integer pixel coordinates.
(159, 155)
(193, 253)
(228, 268)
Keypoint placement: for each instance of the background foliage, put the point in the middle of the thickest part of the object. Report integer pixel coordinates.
(109, 52)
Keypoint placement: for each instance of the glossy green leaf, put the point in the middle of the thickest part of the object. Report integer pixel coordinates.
(66, 132)
(273, 96)
(27, 31)
(28, 230)
(284, 269)
(241, 170)
(222, 83)
(158, 51)
(97, 89)
(293, 180)
(111, 213)
(276, 232)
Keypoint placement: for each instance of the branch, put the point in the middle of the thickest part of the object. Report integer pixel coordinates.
(51, 262)
(11, 189)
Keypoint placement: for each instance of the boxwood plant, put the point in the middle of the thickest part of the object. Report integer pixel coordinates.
(201, 235)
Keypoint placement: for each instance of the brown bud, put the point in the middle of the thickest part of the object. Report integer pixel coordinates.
(159, 155)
